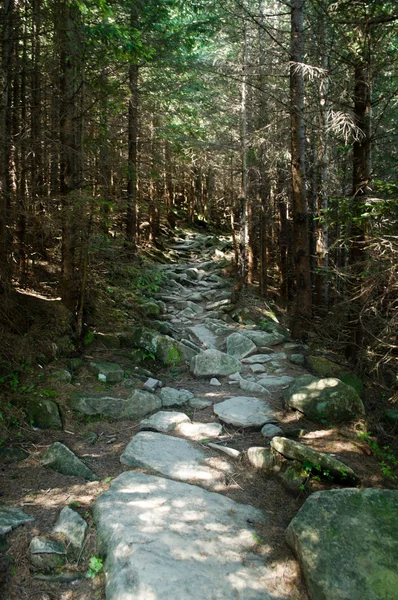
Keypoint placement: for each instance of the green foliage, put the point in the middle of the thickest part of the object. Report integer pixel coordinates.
(385, 455)
(89, 338)
(95, 567)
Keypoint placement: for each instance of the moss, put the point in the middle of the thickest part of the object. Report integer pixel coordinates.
(324, 367)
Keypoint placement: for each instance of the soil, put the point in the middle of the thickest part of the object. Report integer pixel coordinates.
(42, 493)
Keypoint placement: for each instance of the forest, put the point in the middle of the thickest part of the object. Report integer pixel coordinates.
(269, 126)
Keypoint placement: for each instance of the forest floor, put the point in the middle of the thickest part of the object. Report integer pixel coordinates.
(42, 492)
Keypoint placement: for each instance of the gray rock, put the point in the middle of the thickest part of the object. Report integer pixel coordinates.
(204, 336)
(257, 368)
(262, 458)
(113, 372)
(252, 386)
(139, 404)
(140, 338)
(164, 421)
(59, 458)
(214, 362)
(260, 338)
(269, 430)
(173, 397)
(239, 346)
(320, 462)
(188, 313)
(346, 542)
(199, 431)
(168, 350)
(275, 381)
(214, 381)
(72, 527)
(257, 358)
(152, 384)
(47, 554)
(43, 414)
(10, 518)
(329, 399)
(177, 541)
(61, 376)
(244, 411)
(297, 359)
(199, 403)
(173, 457)
(293, 476)
(12, 455)
(218, 304)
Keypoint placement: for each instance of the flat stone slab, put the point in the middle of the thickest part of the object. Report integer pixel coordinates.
(257, 358)
(274, 381)
(166, 540)
(139, 404)
(204, 336)
(244, 411)
(175, 458)
(214, 362)
(199, 431)
(347, 544)
(10, 518)
(199, 403)
(164, 421)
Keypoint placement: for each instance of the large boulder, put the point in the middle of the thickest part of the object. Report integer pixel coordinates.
(318, 463)
(213, 362)
(347, 544)
(139, 404)
(326, 399)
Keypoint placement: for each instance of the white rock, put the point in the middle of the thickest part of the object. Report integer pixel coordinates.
(214, 381)
(244, 411)
(199, 431)
(164, 421)
(173, 457)
(167, 540)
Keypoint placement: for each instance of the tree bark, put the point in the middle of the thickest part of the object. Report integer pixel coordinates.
(303, 308)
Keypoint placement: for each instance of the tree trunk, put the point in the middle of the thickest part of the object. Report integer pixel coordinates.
(303, 308)
(131, 215)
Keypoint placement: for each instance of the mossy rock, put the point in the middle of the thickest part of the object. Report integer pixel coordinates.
(324, 399)
(43, 414)
(323, 367)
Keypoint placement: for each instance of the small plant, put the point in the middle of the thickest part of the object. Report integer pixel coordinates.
(257, 539)
(95, 566)
(388, 462)
(89, 338)
(74, 504)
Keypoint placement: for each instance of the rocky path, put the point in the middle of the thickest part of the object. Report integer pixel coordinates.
(177, 524)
